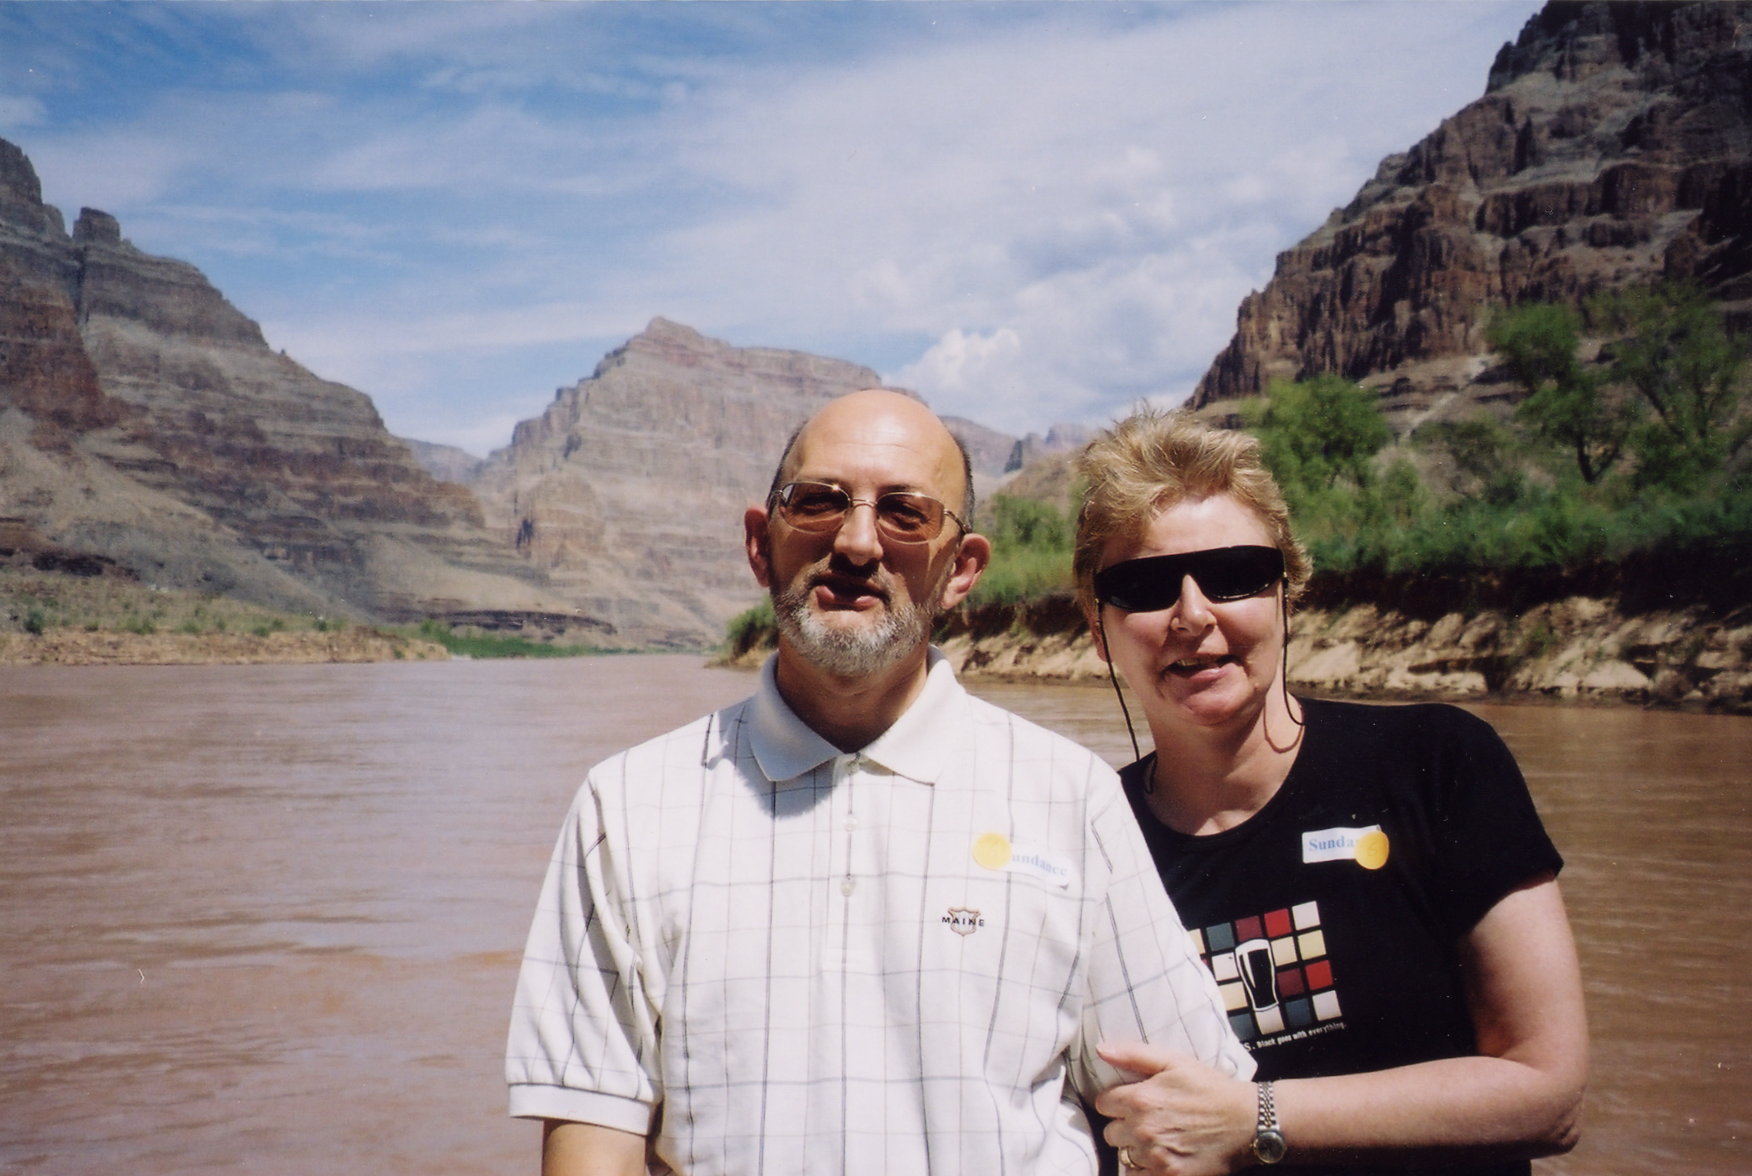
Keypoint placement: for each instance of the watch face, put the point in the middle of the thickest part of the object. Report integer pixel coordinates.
(1269, 1147)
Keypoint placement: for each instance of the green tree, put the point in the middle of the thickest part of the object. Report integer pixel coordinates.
(1031, 550)
(1484, 454)
(1566, 405)
(1314, 433)
(1671, 346)
(1028, 523)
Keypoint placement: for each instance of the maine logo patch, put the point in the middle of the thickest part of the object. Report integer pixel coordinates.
(963, 921)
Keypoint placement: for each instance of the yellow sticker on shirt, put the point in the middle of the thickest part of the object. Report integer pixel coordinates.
(991, 850)
(1372, 850)
(994, 852)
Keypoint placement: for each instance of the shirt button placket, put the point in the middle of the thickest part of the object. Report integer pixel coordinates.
(848, 779)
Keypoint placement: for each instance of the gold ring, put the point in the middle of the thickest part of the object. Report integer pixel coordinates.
(1125, 1158)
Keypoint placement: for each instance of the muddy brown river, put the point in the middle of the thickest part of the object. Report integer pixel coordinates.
(267, 918)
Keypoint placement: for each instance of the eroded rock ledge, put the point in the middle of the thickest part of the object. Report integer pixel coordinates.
(1574, 649)
(1671, 631)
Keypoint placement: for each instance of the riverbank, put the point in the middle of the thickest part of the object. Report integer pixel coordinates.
(1573, 650)
(1418, 645)
(116, 648)
(95, 614)
(1611, 638)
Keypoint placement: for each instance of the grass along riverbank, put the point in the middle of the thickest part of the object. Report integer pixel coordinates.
(67, 619)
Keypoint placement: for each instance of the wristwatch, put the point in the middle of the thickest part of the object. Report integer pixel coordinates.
(1268, 1142)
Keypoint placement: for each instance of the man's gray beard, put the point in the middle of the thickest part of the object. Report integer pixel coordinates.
(853, 652)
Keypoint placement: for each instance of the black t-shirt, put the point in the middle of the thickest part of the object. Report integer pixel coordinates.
(1332, 917)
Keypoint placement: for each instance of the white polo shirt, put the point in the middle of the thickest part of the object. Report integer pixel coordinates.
(774, 957)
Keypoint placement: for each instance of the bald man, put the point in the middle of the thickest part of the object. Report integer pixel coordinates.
(861, 922)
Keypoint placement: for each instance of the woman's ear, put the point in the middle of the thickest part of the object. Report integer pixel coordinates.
(1096, 633)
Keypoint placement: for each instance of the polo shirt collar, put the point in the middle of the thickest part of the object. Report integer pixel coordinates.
(918, 745)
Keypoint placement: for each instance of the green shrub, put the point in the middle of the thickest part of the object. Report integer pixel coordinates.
(1024, 574)
(491, 645)
(1031, 551)
(747, 628)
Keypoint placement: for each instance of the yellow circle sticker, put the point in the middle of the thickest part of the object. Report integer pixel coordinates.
(1372, 850)
(992, 850)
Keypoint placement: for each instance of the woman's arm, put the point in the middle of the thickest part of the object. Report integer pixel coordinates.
(1519, 1097)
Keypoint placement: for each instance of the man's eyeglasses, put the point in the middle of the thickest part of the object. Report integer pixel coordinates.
(1221, 573)
(900, 515)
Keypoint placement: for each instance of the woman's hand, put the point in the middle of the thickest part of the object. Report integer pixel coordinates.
(1182, 1119)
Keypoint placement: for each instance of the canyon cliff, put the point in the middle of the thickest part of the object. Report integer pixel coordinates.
(148, 430)
(628, 492)
(146, 423)
(1613, 146)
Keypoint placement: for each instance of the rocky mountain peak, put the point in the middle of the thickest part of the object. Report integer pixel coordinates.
(21, 195)
(97, 228)
(1614, 146)
(628, 491)
(145, 422)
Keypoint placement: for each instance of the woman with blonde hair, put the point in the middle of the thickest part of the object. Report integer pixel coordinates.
(1371, 886)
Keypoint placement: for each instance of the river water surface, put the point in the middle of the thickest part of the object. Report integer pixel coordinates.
(267, 918)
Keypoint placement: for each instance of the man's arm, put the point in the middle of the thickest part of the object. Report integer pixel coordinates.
(585, 1149)
(1146, 981)
(582, 1025)
(1519, 1097)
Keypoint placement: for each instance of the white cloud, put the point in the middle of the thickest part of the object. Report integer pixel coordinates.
(1073, 216)
(1030, 213)
(20, 110)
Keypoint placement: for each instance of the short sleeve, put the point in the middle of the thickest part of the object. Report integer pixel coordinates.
(1489, 838)
(1145, 980)
(583, 1040)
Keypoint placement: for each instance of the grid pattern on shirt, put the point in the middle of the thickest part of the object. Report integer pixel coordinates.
(816, 974)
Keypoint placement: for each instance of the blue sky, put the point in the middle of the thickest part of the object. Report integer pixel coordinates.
(1029, 213)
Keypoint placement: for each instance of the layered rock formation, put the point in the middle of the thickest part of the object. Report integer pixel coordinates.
(44, 370)
(145, 420)
(1613, 146)
(1571, 649)
(145, 423)
(629, 490)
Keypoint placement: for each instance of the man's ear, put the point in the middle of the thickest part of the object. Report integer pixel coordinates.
(972, 555)
(759, 545)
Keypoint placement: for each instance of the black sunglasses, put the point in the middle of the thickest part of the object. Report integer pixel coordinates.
(1221, 573)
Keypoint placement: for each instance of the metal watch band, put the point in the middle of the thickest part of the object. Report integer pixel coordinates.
(1268, 1139)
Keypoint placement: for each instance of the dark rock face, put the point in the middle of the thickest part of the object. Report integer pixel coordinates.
(629, 490)
(1613, 146)
(144, 419)
(44, 370)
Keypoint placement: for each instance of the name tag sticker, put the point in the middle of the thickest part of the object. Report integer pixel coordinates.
(995, 852)
(1367, 846)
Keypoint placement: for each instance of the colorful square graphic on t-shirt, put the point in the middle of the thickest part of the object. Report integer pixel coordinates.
(1272, 971)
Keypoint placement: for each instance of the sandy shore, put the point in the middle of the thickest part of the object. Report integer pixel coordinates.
(81, 647)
